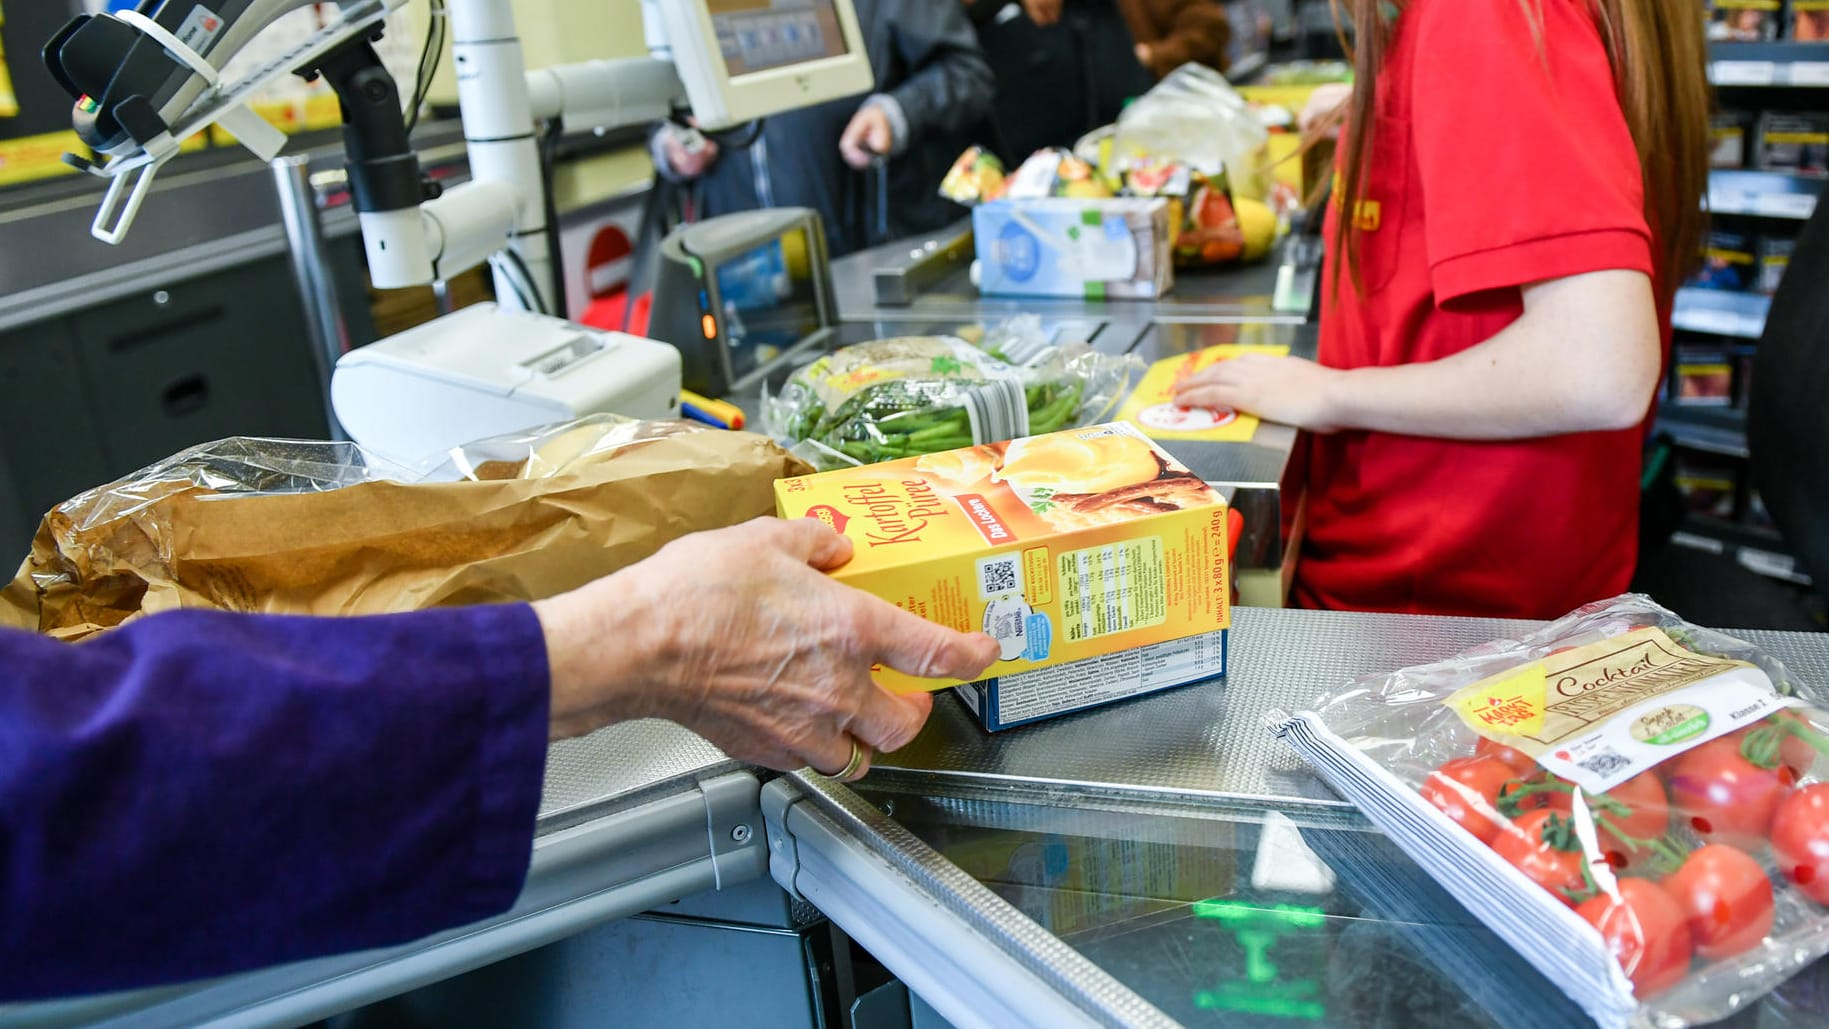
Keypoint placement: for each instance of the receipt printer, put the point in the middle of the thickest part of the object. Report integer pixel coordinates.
(740, 294)
(485, 371)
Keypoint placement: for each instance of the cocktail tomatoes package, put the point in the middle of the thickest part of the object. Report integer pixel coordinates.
(1639, 806)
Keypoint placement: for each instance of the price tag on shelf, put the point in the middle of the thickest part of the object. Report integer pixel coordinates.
(1780, 205)
(1719, 323)
(1810, 73)
(1744, 73)
(1723, 201)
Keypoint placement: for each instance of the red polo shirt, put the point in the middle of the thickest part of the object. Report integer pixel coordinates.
(1495, 162)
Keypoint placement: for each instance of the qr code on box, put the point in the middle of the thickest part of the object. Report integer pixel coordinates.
(999, 575)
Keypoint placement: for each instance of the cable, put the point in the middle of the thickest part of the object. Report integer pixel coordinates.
(523, 280)
(549, 160)
(500, 264)
(527, 280)
(430, 55)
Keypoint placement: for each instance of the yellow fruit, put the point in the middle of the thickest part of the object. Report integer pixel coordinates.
(1257, 223)
(1086, 189)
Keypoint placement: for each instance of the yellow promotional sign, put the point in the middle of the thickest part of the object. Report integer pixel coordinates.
(1152, 405)
(9, 100)
(30, 158)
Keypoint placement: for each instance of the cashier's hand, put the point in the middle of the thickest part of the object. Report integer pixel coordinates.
(1280, 389)
(739, 636)
(867, 137)
(1325, 109)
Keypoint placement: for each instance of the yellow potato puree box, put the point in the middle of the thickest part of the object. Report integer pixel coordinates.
(1065, 547)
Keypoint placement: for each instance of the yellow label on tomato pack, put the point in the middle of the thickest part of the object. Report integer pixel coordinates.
(1602, 713)
(1512, 704)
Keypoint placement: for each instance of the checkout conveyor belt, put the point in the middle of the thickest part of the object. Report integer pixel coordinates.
(640, 814)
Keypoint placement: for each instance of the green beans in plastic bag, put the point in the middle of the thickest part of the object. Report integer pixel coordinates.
(902, 397)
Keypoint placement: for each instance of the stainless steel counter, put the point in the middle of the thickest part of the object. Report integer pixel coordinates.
(1192, 869)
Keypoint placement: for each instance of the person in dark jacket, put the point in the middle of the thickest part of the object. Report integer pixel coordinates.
(933, 97)
(1165, 34)
(1066, 67)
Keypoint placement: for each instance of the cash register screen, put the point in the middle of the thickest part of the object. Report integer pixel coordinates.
(756, 35)
(769, 301)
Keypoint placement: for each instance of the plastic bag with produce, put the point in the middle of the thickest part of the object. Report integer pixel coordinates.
(928, 394)
(1636, 804)
(1193, 116)
(976, 177)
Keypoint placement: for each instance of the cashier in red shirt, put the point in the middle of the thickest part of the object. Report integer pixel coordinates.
(1524, 180)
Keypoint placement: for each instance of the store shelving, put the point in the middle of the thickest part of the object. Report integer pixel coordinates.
(1713, 430)
(1778, 64)
(1763, 194)
(1721, 313)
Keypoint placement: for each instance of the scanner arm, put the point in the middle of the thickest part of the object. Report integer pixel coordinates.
(413, 232)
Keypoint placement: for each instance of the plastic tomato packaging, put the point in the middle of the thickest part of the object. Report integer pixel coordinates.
(1639, 806)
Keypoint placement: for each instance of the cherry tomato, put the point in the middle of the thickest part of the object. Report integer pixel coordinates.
(1786, 729)
(1629, 816)
(1466, 789)
(1726, 798)
(1646, 932)
(1796, 752)
(1727, 898)
(1800, 840)
(1520, 762)
(1537, 846)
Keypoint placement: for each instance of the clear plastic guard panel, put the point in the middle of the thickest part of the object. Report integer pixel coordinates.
(1227, 916)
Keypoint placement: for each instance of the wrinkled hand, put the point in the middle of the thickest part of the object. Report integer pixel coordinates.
(689, 163)
(737, 635)
(1042, 12)
(1280, 389)
(867, 137)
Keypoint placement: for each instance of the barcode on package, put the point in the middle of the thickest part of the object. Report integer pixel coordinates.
(998, 411)
(999, 575)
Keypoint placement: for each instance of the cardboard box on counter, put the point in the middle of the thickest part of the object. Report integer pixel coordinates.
(1095, 249)
(1073, 545)
(1025, 697)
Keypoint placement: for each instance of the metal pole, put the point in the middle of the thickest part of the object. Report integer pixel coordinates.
(311, 274)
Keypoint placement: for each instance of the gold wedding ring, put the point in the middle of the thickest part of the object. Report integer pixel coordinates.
(855, 765)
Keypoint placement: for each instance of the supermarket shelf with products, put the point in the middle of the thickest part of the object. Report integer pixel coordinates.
(1779, 63)
(1753, 548)
(1763, 194)
(1712, 430)
(1719, 312)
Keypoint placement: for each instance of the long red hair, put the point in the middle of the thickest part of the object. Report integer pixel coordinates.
(1659, 58)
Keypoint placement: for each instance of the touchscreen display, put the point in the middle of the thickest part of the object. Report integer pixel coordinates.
(757, 35)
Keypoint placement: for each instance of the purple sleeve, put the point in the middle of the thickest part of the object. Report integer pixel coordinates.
(198, 794)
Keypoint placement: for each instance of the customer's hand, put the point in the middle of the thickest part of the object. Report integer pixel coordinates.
(1281, 389)
(1042, 12)
(689, 157)
(868, 136)
(737, 635)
